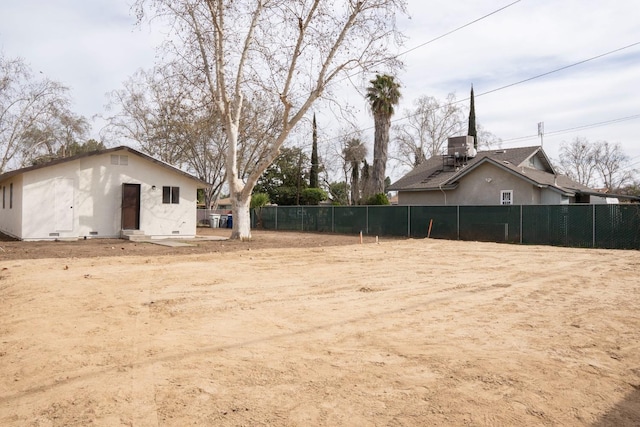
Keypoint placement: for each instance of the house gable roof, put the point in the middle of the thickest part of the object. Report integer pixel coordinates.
(12, 173)
(432, 175)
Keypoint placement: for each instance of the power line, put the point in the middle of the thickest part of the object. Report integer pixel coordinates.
(457, 29)
(529, 79)
(593, 58)
(572, 129)
(536, 77)
(392, 57)
(559, 69)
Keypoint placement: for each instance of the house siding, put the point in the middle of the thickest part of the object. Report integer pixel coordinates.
(11, 214)
(96, 202)
(39, 215)
(104, 181)
(550, 197)
(482, 186)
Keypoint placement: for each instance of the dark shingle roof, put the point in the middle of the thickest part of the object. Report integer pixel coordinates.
(432, 174)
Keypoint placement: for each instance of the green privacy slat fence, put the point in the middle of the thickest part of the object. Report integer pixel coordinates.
(617, 226)
(599, 226)
(559, 225)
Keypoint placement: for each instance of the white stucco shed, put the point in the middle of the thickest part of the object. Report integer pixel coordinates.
(102, 194)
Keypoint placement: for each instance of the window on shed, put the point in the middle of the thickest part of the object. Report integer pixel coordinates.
(4, 192)
(506, 197)
(171, 195)
(11, 196)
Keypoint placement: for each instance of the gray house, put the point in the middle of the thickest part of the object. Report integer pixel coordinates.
(522, 176)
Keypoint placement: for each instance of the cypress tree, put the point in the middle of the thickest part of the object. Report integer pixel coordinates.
(313, 175)
(472, 122)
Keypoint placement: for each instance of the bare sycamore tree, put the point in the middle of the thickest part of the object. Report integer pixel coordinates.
(169, 115)
(35, 119)
(486, 139)
(285, 51)
(154, 110)
(595, 163)
(578, 161)
(427, 127)
(612, 165)
(424, 134)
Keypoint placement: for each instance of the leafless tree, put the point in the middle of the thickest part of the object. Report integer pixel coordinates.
(154, 110)
(578, 160)
(612, 165)
(486, 139)
(286, 52)
(596, 163)
(35, 116)
(424, 133)
(169, 115)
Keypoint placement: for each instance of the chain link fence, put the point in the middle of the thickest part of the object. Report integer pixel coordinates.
(589, 226)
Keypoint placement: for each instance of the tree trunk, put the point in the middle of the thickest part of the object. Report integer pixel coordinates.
(380, 145)
(355, 182)
(241, 217)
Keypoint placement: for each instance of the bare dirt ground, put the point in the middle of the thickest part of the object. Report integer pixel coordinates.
(318, 330)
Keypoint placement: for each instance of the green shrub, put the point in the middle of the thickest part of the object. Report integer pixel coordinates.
(259, 200)
(312, 196)
(378, 199)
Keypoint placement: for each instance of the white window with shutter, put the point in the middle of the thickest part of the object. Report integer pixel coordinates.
(506, 197)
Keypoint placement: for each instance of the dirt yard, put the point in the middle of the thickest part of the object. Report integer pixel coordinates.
(318, 330)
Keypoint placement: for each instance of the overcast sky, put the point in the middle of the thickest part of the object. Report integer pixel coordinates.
(92, 46)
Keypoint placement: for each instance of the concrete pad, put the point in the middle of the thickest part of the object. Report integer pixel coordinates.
(167, 242)
(207, 238)
(175, 243)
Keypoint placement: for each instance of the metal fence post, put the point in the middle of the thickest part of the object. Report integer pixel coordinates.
(458, 220)
(593, 227)
(521, 229)
(276, 218)
(333, 219)
(366, 219)
(408, 221)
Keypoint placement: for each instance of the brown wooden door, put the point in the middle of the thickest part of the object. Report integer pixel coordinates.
(130, 206)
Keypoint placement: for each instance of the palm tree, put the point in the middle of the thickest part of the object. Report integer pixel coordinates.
(383, 95)
(355, 153)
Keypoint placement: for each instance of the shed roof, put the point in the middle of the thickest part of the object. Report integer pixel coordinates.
(15, 172)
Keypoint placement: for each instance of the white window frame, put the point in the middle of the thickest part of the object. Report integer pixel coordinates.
(506, 200)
